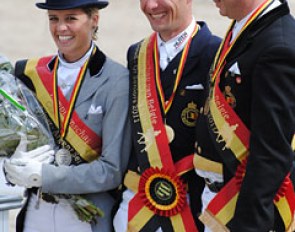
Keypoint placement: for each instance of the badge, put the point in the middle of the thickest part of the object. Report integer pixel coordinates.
(170, 133)
(189, 114)
(229, 97)
(63, 157)
(162, 192)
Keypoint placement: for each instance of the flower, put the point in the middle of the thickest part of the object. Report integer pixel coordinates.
(20, 114)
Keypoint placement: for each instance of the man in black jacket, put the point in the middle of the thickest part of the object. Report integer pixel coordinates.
(246, 154)
(168, 75)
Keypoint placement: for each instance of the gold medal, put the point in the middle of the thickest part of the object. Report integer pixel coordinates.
(170, 133)
(63, 157)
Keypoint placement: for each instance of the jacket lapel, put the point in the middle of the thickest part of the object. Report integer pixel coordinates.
(90, 86)
(92, 79)
(198, 44)
(250, 33)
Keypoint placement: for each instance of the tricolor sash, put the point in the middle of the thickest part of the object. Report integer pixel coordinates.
(160, 199)
(83, 143)
(232, 138)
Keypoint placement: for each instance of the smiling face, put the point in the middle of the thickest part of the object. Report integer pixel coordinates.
(72, 31)
(168, 17)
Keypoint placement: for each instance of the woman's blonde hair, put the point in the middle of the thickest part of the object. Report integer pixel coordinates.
(90, 11)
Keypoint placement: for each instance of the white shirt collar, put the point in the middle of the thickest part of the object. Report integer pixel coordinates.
(169, 49)
(79, 63)
(67, 73)
(239, 25)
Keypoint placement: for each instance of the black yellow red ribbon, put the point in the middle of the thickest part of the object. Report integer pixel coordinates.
(167, 197)
(166, 105)
(82, 138)
(64, 124)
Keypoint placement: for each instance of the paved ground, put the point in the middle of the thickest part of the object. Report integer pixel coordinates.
(24, 34)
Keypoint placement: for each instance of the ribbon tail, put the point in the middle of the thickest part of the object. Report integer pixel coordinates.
(211, 222)
(292, 226)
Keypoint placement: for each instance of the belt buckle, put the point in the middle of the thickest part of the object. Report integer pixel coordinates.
(50, 198)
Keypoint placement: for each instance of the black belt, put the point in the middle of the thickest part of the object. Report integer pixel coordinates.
(214, 186)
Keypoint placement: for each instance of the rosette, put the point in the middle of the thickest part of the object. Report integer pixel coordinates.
(162, 191)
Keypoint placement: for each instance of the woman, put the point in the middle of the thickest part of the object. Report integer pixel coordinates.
(85, 97)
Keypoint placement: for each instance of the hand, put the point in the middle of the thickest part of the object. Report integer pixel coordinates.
(42, 154)
(23, 172)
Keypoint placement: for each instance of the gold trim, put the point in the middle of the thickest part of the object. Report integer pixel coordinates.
(204, 164)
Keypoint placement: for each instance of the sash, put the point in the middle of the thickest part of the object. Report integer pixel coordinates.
(82, 142)
(161, 196)
(232, 138)
(221, 209)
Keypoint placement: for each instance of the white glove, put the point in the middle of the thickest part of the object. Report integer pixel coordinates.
(24, 172)
(41, 154)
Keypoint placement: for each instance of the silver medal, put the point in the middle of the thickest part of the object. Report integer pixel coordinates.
(63, 157)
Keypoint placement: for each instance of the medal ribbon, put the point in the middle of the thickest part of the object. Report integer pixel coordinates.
(64, 126)
(166, 105)
(158, 150)
(221, 209)
(225, 48)
(42, 78)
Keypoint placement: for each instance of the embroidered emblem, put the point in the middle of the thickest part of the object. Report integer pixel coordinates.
(190, 114)
(227, 131)
(147, 138)
(180, 40)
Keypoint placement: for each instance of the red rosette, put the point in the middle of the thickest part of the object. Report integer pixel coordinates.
(162, 191)
(283, 189)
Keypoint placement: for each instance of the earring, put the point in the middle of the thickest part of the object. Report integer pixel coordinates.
(94, 35)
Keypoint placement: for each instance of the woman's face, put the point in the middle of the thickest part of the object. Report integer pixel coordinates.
(72, 31)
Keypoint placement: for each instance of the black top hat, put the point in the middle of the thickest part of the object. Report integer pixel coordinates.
(71, 4)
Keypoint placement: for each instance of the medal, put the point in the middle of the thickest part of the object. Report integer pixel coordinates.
(169, 132)
(63, 157)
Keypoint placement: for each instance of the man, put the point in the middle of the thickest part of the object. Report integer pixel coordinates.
(246, 155)
(168, 76)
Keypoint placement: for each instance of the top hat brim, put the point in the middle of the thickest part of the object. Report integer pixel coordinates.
(45, 6)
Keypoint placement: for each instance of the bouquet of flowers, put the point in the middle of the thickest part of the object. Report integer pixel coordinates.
(21, 115)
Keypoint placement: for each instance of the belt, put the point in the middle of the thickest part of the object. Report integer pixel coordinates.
(49, 198)
(214, 187)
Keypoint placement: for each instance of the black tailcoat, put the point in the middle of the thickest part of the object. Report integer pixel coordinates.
(262, 89)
